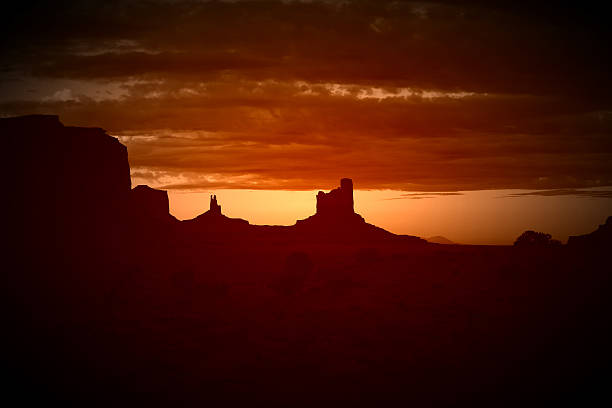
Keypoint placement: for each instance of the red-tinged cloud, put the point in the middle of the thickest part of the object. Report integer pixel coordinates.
(566, 192)
(430, 96)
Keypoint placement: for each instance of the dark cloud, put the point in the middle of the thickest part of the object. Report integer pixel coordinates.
(420, 196)
(290, 137)
(566, 192)
(472, 46)
(432, 96)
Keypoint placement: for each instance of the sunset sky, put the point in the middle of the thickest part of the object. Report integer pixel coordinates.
(501, 113)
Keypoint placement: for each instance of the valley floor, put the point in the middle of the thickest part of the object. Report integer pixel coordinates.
(295, 324)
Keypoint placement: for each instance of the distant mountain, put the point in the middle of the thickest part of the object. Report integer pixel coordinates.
(438, 239)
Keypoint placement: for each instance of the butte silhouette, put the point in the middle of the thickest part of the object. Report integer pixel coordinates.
(88, 186)
(110, 298)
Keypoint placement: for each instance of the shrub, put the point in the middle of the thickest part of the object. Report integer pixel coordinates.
(533, 238)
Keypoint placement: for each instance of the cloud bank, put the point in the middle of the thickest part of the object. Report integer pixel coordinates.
(418, 96)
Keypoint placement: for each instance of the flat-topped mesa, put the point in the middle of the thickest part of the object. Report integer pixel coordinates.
(150, 203)
(215, 208)
(338, 202)
(86, 171)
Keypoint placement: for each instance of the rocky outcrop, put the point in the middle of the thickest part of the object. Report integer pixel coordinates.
(214, 208)
(337, 221)
(71, 181)
(72, 186)
(80, 167)
(150, 203)
(600, 238)
(335, 207)
(87, 159)
(338, 202)
(214, 225)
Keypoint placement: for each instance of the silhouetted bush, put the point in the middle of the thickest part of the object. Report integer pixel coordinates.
(535, 239)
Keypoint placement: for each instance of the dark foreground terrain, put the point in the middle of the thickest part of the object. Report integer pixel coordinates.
(111, 301)
(200, 324)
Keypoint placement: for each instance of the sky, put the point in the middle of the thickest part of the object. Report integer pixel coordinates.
(506, 104)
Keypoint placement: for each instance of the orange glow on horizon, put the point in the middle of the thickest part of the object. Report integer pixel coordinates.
(473, 217)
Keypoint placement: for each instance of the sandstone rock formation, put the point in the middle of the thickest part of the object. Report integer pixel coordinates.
(213, 221)
(66, 182)
(335, 207)
(338, 202)
(73, 187)
(149, 202)
(214, 208)
(81, 168)
(336, 220)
